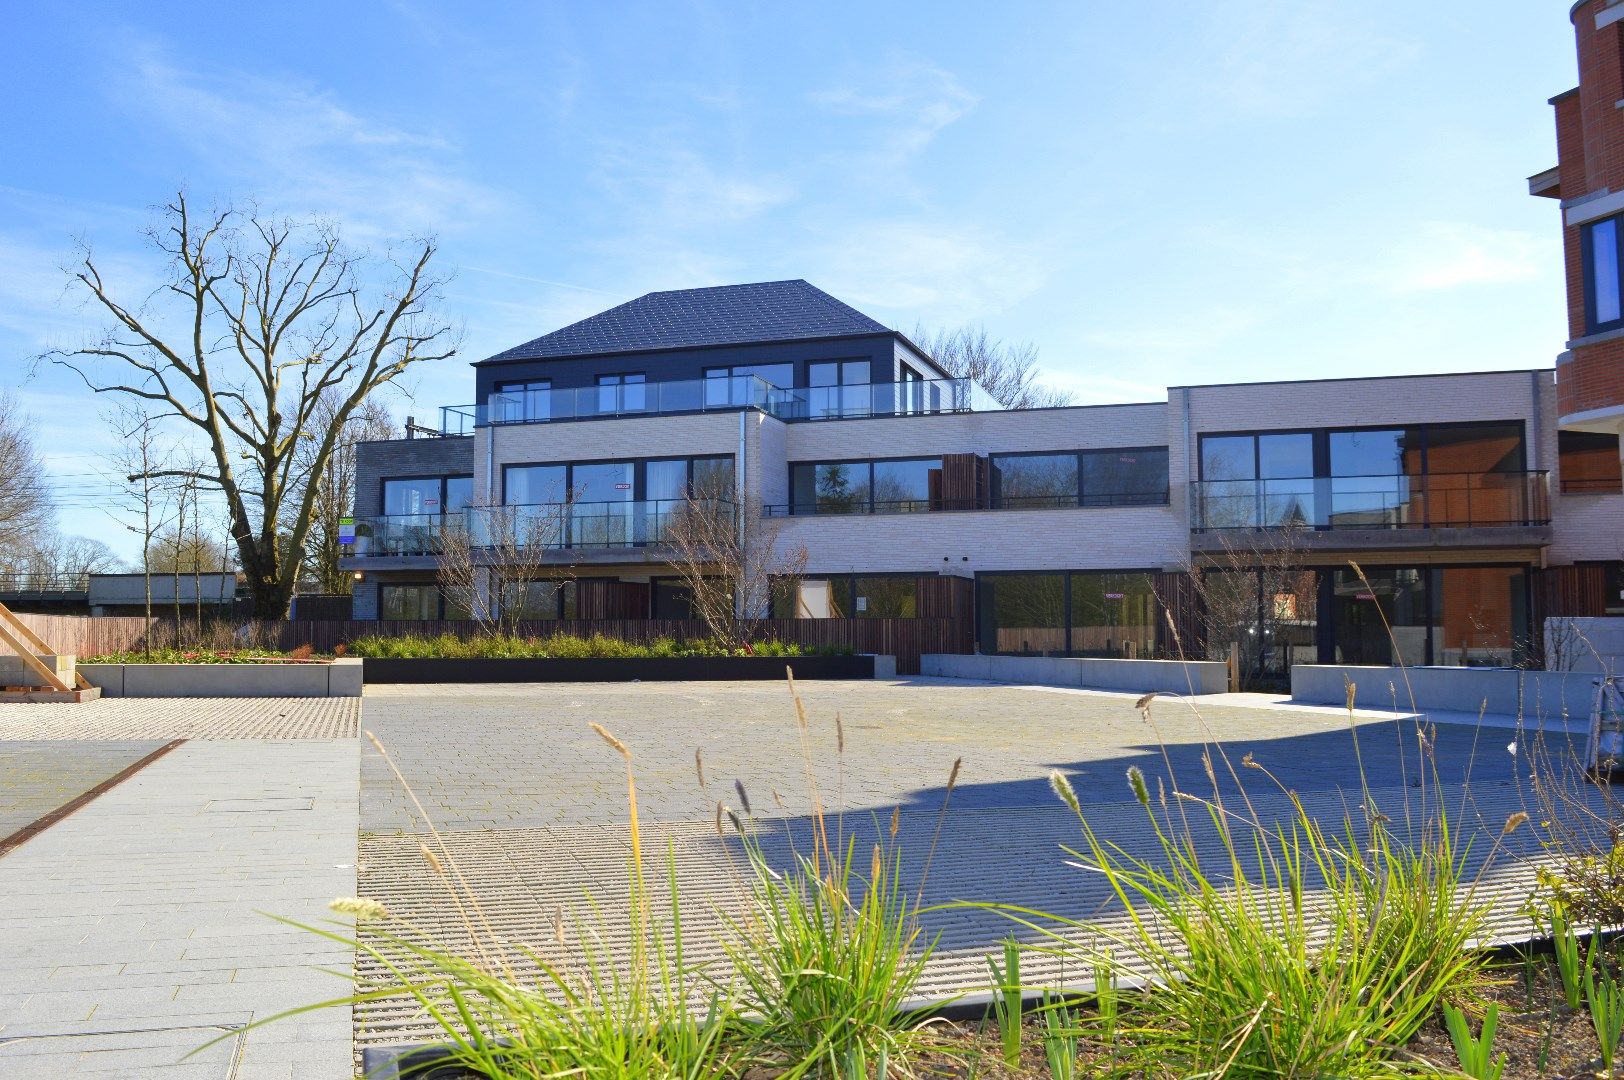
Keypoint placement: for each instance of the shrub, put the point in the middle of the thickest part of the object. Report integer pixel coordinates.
(560, 646)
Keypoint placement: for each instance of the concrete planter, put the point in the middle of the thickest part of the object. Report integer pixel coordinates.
(616, 669)
(1129, 676)
(1533, 695)
(340, 678)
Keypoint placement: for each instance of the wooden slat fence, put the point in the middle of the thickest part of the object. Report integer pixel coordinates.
(906, 639)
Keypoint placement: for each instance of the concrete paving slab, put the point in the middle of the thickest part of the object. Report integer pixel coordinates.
(38, 776)
(144, 914)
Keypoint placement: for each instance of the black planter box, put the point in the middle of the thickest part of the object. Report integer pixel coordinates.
(615, 669)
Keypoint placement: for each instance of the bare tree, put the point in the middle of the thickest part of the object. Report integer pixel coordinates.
(1006, 370)
(143, 457)
(335, 485)
(501, 564)
(729, 560)
(180, 548)
(25, 504)
(72, 559)
(277, 316)
(1256, 602)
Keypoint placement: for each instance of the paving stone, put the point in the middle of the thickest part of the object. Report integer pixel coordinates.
(166, 932)
(182, 718)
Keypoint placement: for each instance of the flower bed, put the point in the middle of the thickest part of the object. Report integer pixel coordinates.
(302, 655)
(566, 647)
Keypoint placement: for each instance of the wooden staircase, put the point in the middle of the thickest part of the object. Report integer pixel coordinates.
(45, 681)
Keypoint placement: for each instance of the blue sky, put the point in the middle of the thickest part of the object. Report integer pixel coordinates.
(1152, 194)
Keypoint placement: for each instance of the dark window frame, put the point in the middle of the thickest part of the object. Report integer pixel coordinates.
(869, 462)
(383, 482)
(1588, 272)
(1151, 573)
(1322, 459)
(995, 495)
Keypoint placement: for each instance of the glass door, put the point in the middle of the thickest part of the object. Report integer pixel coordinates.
(604, 499)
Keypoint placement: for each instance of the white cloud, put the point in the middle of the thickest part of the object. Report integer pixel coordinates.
(302, 151)
(673, 187)
(913, 102)
(925, 270)
(1448, 255)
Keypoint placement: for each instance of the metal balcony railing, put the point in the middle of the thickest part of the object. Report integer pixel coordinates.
(1423, 501)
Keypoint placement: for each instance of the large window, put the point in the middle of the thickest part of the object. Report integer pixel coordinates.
(726, 386)
(1025, 481)
(1112, 615)
(1469, 616)
(865, 487)
(838, 388)
(618, 503)
(416, 601)
(413, 497)
(1604, 307)
(904, 487)
(518, 402)
(1439, 475)
(1588, 462)
(1068, 613)
(1132, 476)
(1125, 477)
(539, 599)
(621, 393)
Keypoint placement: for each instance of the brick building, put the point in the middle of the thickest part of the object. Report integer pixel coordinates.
(1062, 531)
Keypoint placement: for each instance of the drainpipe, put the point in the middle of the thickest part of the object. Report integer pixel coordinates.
(740, 486)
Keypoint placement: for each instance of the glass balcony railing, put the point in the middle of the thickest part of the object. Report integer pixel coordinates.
(717, 394)
(613, 524)
(1424, 501)
(616, 524)
(404, 534)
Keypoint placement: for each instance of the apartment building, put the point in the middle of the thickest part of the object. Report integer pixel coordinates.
(1062, 531)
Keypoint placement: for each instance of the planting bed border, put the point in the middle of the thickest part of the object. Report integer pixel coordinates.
(334, 678)
(615, 669)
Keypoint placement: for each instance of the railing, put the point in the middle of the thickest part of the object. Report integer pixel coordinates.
(44, 583)
(613, 524)
(718, 394)
(1427, 500)
(458, 419)
(633, 399)
(405, 534)
(882, 399)
(927, 505)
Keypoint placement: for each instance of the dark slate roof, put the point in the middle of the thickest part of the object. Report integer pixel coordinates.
(692, 318)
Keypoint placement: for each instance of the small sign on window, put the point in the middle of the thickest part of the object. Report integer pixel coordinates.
(862, 603)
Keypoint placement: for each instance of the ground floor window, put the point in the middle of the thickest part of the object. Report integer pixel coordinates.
(539, 599)
(420, 601)
(1453, 616)
(848, 596)
(1068, 613)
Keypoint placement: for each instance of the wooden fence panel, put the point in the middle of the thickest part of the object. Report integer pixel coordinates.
(906, 639)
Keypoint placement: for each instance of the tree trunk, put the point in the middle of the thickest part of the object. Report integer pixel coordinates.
(271, 599)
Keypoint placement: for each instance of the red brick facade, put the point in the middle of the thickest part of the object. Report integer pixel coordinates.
(1590, 156)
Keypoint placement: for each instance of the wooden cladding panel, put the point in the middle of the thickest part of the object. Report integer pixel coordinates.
(964, 481)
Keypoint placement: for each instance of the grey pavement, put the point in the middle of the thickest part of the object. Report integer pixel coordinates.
(132, 932)
(182, 718)
(514, 757)
(38, 776)
(532, 804)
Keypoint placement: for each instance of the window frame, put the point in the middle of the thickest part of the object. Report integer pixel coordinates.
(443, 478)
(1587, 259)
